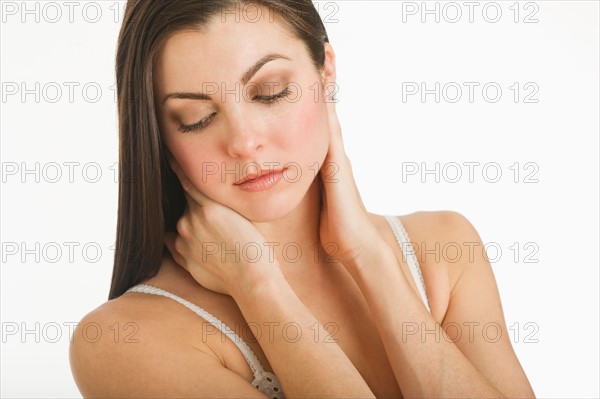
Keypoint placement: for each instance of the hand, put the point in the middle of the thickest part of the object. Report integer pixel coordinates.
(345, 229)
(204, 230)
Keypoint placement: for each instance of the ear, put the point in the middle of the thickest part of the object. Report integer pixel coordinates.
(328, 78)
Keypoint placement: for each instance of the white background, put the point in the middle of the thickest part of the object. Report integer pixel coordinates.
(546, 229)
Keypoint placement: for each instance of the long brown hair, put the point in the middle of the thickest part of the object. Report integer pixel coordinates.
(151, 199)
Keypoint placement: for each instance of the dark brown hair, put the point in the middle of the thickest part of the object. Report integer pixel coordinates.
(151, 199)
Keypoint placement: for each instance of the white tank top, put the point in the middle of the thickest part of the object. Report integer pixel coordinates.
(265, 381)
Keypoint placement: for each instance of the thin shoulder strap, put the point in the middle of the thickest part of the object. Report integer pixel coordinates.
(410, 256)
(261, 377)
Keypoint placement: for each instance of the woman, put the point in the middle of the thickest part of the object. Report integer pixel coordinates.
(237, 200)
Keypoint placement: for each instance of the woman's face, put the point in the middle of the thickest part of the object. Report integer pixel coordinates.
(241, 129)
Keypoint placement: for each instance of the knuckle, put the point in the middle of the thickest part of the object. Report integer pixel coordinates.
(179, 247)
(182, 228)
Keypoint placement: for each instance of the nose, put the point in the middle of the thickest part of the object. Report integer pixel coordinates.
(243, 141)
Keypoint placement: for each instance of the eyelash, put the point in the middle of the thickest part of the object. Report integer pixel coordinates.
(267, 100)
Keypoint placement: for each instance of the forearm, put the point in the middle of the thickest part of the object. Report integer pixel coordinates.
(307, 364)
(427, 365)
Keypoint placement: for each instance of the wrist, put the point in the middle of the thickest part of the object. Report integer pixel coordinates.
(375, 252)
(255, 279)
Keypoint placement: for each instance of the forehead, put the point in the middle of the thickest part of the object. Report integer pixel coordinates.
(223, 49)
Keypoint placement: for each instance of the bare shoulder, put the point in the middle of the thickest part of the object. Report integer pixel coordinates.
(442, 241)
(446, 238)
(462, 291)
(437, 237)
(437, 225)
(114, 348)
(128, 348)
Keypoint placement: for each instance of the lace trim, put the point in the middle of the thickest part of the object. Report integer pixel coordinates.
(265, 381)
(410, 256)
(268, 383)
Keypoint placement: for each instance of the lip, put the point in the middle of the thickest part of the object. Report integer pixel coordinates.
(258, 174)
(261, 181)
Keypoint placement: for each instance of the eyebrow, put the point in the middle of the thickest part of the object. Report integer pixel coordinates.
(246, 76)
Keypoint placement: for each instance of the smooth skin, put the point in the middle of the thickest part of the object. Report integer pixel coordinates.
(354, 306)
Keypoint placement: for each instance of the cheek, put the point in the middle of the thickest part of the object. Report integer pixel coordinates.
(197, 159)
(308, 134)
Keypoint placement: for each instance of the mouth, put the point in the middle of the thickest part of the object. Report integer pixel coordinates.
(261, 180)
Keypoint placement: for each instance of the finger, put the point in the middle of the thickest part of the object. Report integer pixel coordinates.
(334, 123)
(169, 240)
(337, 166)
(193, 195)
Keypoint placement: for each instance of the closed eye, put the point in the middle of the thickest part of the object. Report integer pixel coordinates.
(275, 97)
(267, 100)
(198, 125)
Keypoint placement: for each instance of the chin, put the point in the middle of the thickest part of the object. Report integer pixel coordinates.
(272, 208)
(266, 216)
(263, 212)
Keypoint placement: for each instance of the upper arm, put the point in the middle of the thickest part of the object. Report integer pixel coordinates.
(109, 364)
(474, 319)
